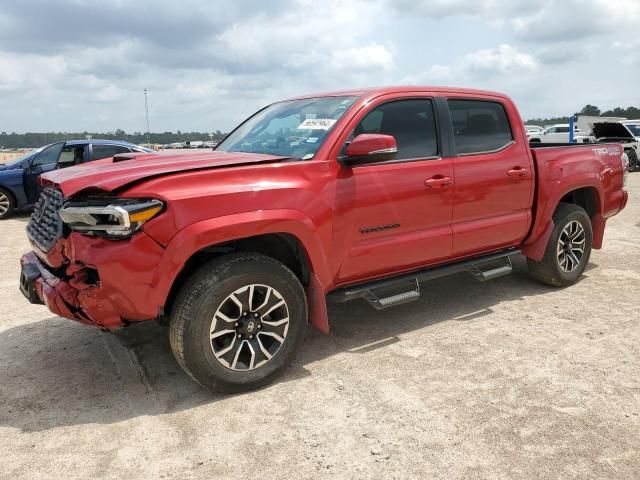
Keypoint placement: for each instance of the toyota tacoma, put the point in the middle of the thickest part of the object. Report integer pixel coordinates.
(359, 194)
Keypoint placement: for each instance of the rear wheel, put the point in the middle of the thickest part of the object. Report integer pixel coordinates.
(568, 250)
(238, 322)
(7, 204)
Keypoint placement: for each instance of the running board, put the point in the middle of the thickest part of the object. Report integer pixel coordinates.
(402, 294)
(494, 271)
(405, 288)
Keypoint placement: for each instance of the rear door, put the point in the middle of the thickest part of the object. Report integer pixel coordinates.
(493, 174)
(387, 218)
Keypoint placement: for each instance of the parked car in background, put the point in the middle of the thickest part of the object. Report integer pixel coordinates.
(19, 186)
(533, 129)
(560, 134)
(622, 133)
(237, 249)
(193, 144)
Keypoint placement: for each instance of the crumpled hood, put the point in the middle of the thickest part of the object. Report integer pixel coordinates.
(108, 175)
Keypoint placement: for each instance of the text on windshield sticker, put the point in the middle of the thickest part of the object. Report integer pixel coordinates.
(317, 124)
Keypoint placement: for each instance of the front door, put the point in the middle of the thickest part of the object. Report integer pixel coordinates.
(395, 215)
(44, 162)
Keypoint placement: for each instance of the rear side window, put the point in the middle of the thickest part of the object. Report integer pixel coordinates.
(105, 151)
(479, 126)
(410, 122)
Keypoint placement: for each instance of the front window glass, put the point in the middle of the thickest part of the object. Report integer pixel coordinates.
(49, 155)
(71, 155)
(410, 122)
(294, 129)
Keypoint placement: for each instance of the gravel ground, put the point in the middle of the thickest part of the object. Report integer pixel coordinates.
(506, 379)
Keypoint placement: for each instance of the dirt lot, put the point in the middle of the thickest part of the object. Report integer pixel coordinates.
(8, 156)
(507, 379)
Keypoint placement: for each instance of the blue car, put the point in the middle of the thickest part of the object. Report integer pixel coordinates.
(19, 186)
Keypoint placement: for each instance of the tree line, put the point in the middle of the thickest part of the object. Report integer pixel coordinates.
(632, 113)
(33, 140)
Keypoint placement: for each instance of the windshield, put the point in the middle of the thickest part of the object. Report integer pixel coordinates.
(293, 129)
(635, 128)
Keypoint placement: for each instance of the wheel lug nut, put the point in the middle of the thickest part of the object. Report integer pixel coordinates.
(250, 336)
(259, 326)
(255, 314)
(239, 336)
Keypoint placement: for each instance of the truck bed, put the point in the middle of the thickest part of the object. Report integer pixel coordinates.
(597, 171)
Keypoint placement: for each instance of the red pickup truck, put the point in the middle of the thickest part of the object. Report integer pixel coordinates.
(355, 194)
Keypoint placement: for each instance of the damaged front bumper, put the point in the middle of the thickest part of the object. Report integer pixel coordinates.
(40, 286)
(94, 281)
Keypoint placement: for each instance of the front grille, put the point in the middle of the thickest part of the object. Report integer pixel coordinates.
(45, 225)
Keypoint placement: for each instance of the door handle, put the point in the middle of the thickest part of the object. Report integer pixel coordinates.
(517, 172)
(438, 181)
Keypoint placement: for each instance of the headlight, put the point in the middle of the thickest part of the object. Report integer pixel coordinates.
(119, 218)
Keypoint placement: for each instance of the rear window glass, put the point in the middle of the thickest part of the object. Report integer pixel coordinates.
(479, 126)
(106, 151)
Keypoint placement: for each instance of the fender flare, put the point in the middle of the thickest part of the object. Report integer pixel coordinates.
(215, 231)
(535, 246)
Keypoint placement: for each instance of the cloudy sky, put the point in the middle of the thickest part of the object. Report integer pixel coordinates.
(75, 65)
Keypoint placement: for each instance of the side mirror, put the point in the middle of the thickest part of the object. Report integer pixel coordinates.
(370, 148)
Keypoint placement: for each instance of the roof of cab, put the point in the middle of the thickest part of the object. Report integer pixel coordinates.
(377, 91)
(97, 141)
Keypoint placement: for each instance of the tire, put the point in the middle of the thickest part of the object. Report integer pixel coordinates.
(560, 269)
(208, 304)
(633, 160)
(7, 203)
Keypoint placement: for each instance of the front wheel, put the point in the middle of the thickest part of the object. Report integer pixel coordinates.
(568, 250)
(238, 321)
(7, 204)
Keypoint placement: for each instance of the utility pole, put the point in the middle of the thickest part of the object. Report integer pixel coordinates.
(146, 112)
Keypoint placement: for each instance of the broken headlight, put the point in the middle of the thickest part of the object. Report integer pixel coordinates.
(118, 218)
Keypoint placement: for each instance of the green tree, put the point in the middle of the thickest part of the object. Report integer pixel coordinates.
(590, 110)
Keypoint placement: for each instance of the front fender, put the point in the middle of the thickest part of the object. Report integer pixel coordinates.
(223, 229)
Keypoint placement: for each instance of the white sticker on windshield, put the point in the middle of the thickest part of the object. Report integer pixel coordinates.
(312, 139)
(317, 124)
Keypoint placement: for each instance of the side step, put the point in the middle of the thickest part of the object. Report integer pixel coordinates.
(494, 271)
(405, 288)
(400, 296)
